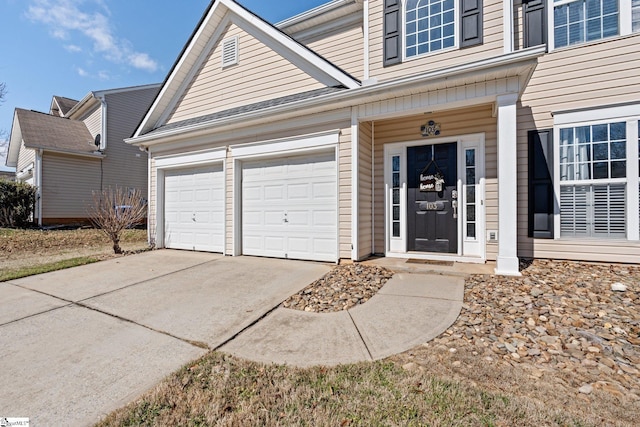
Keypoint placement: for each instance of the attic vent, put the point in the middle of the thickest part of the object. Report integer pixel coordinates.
(230, 51)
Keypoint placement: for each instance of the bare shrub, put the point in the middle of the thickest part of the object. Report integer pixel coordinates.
(115, 210)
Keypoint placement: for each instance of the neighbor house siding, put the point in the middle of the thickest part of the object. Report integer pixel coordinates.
(365, 190)
(453, 123)
(67, 185)
(125, 165)
(344, 48)
(492, 45)
(594, 75)
(26, 156)
(93, 120)
(260, 75)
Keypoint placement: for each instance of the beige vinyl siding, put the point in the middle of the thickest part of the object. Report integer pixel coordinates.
(492, 46)
(365, 190)
(260, 75)
(125, 165)
(67, 185)
(344, 48)
(453, 123)
(93, 120)
(26, 156)
(594, 75)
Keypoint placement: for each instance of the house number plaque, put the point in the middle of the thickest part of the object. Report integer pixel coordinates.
(431, 206)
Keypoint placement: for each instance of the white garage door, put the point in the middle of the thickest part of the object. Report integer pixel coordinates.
(289, 208)
(194, 209)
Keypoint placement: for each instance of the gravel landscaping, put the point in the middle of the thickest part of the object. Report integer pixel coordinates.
(342, 288)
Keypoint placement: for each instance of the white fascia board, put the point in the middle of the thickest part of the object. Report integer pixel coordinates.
(80, 106)
(348, 98)
(95, 155)
(313, 13)
(301, 51)
(15, 141)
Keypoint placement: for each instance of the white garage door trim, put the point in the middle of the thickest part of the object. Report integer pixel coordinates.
(191, 160)
(301, 145)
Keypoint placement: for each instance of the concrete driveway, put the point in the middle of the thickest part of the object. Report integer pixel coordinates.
(79, 343)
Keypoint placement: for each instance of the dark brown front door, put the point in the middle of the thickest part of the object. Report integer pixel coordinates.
(432, 220)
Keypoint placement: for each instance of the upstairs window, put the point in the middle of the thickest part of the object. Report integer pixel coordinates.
(635, 15)
(577, 21)
(430, 26)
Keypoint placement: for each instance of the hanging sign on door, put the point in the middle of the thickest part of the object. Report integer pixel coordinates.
(431, 182)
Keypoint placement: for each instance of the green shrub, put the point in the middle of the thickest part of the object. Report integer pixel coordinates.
(17, 201)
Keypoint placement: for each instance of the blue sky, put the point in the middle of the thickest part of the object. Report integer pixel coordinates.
(71, 47)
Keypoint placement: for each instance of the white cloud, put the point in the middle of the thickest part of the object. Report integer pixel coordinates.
(66, 17)
(82, 72)
(73, 48)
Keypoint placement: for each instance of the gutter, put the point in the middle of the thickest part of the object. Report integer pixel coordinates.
(352, 97)
(94, 155)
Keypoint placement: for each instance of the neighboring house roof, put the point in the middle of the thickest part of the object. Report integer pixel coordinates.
(208, 32)
(62, 105)
(44, 131)
(252, 108)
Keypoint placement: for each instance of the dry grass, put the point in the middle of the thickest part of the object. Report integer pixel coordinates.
(220, 390)
(22, 249)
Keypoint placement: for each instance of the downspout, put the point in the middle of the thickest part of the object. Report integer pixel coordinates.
(365, 25)
(38, 183)
(103, 140)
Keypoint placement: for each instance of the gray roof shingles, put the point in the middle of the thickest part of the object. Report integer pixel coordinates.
(40, 130)
(258, 106)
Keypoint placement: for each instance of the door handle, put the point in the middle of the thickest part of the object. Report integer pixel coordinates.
(193, 217)
(454, 205)
(285, 220)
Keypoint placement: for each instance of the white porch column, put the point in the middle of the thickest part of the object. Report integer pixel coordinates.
(507, 263)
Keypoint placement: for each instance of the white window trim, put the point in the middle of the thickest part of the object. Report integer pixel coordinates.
(456, 34)
(624, 24)
(629, 114)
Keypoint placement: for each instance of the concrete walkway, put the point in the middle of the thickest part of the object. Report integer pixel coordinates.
(409, 310)
(77, 344)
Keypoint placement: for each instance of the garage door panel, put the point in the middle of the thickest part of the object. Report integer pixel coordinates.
(302, 191)
(194, 209)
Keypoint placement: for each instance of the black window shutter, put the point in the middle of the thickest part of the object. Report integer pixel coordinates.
(470, 22)
(541, 197)
(535, 23)
(392, 49)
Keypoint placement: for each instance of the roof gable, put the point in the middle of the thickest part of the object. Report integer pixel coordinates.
(218, 18)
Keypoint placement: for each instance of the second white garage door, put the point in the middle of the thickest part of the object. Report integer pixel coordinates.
(194, 209)
(289, 208)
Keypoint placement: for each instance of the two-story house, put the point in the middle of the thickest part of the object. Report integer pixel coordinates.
(78, 148)
(460, 130)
